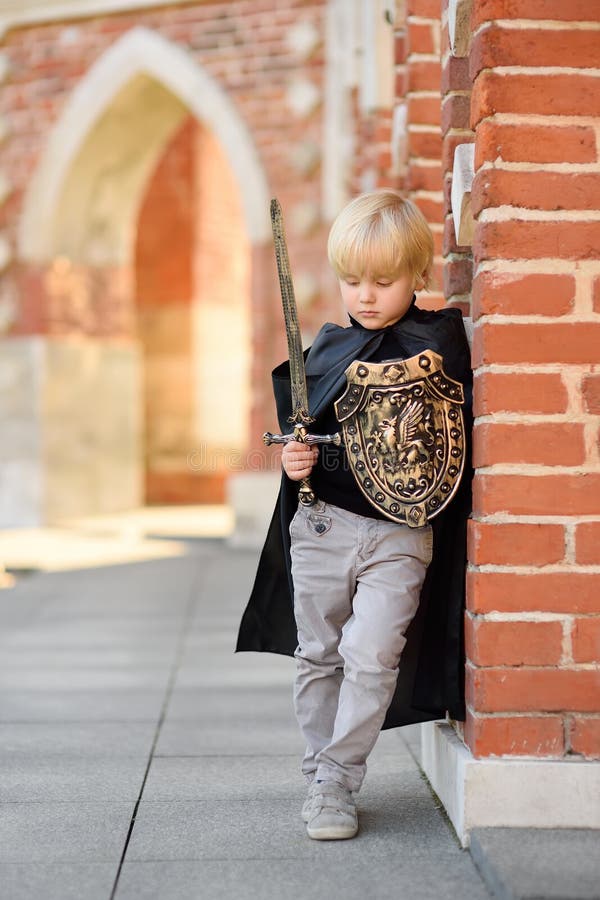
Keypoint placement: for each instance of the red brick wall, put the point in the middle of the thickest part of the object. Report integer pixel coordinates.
(533, 619)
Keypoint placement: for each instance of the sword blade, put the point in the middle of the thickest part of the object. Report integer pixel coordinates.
(300, 413)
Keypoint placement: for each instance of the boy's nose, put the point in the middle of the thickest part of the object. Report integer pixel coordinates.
(366, 293)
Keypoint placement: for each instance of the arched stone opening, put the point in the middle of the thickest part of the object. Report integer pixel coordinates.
(85, 219)
(192, 269)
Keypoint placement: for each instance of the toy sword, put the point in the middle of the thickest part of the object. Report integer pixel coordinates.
(300, 417)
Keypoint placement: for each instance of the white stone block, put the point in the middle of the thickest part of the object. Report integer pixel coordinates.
(508, 792)
(302, 97)
(303, 38)
(252, 496)
(459, 26)
(462, 179)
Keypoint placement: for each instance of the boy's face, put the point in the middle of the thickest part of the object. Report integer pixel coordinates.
(376, 302)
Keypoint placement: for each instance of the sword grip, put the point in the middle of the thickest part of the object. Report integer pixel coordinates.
(306, 495)
(335, 439)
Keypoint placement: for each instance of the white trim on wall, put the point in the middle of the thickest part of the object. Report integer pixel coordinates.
(13, 13)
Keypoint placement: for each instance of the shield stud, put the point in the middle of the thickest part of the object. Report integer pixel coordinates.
(404, 435)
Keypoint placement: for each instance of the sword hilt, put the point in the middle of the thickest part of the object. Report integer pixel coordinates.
(336, 438)
(306, 495)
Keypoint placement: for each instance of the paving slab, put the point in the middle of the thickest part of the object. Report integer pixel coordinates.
(343, 875)
(125, 657)
(538, 863)
(81, 706)
(218, 704)
(86, 739)
(235, 674)
(239, 738)
(57, 881)
(71, 778)
(58, 832)
(78, 679)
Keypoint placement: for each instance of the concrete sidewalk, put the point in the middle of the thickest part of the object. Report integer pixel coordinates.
(141, 758)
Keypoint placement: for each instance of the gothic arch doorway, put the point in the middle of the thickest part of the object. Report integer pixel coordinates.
(94, 209)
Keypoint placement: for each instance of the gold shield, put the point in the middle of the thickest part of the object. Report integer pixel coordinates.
(404, 435)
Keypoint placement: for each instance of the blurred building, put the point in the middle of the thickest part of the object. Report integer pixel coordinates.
(140, 317)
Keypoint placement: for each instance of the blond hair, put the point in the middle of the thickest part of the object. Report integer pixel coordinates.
(382, 234)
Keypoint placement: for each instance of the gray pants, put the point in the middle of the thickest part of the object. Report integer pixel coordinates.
(357, 583)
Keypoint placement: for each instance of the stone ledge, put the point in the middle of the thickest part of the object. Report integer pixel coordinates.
(503, 792)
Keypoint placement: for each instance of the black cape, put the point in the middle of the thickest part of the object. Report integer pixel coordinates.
(431, 672)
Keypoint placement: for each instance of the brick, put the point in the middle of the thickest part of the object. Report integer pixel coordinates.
(423, 178)
(535, 190)
(596, 295)
(525, 239)
(423, 75)
(515, 543)
(557, 95)
(424, 110)
(455, 75)
(546, 443)
(496, 45)
(576, 10)
(586, 639)
(559, 592)
(424, 9)
(573, 343)
(449, 238)
(514, 735)
(463, 305)
(431, 209)
(587, 543)
(525, 393)
(534, 143)
(590, 390)
(537, 495)
(450, 143)
(457, 276)
(508, 293)
(532, 689)
(426, 144)
(455, 112)
(489, 643)
(400, 43)
(584, 736)
(421, 37)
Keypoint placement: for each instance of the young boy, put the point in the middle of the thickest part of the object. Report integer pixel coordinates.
(357, 577)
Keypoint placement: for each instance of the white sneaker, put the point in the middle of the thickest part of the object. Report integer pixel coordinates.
(306, 806)
(332, 813)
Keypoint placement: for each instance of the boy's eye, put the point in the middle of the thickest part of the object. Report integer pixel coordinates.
(383, 283)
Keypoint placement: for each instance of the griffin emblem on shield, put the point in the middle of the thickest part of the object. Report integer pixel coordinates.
(404, 435)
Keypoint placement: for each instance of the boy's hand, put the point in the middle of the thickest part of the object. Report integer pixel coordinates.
(298, 459)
